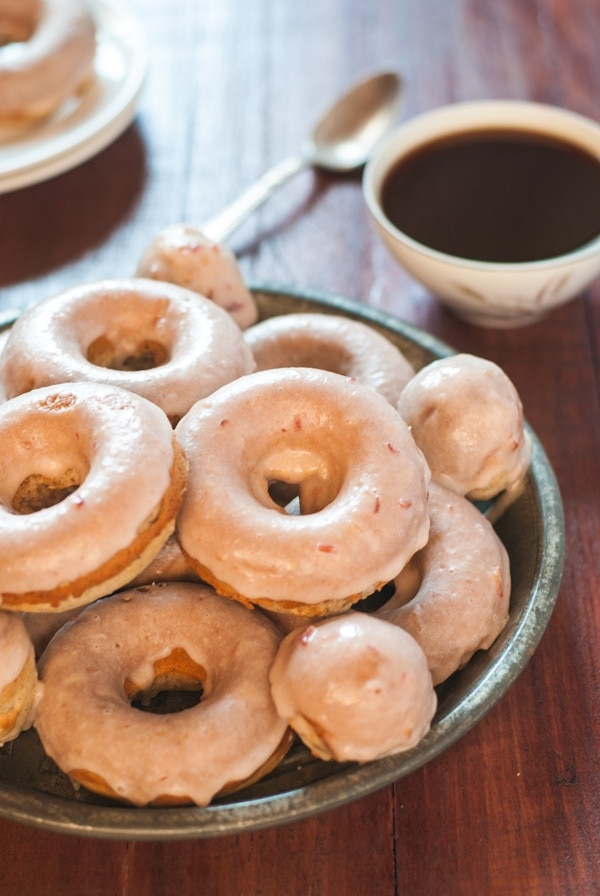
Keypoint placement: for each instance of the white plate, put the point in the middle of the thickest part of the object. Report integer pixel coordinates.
(87, 124)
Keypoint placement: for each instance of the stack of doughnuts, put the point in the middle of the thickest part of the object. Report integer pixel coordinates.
(181, 510)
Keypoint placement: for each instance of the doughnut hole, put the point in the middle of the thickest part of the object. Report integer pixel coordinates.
(38, 491)
(376, 600)
(130, 355)
(299, 480)
(323, 355)
(135, 334)
(352, 688)
(178, 684)
(285, 495)
(406, 585)
(15, 28)
(41, 466)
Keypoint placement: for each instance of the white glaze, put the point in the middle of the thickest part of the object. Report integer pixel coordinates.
(462, 582)
(331, 342)
(363, 487)
(85, 720)
(48, 53)
(50, 342)
(122, 447)
(182, 254)
(354, 688)
(466, 416)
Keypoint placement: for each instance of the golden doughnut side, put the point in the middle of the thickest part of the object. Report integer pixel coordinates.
(97, 784)
(268, 766)
(324, 608)
(17, 701)
(123, 566)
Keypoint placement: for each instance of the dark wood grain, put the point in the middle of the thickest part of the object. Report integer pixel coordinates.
(512, 809)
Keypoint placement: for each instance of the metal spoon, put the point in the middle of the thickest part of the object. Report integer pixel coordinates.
(342, 140)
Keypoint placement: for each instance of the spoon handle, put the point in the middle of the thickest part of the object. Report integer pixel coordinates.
(219, 227)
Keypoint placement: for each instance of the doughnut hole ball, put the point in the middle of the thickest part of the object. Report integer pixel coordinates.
(353, 687)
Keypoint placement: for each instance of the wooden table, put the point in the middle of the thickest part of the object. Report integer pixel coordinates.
(513, 809)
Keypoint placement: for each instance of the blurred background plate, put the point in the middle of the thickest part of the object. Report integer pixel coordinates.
(86, 124)
(33, 791)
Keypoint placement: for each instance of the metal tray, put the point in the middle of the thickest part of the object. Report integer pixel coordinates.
(33, 791)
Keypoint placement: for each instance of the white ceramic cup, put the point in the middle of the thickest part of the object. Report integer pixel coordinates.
(490, 294)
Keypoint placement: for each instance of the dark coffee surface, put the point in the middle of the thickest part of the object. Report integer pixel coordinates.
(501, 196)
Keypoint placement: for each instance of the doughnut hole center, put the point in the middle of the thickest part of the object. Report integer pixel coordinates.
(17, 28)
(378, 599)
(396, 594)
(178, 684)
(299, 481)
(321, 355)
(285, 494)
(131, 354)
(39, 491)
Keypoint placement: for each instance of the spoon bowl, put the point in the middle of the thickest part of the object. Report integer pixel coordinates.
(347, 134)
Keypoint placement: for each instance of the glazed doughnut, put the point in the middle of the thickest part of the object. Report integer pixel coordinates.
(362, 485)
(182, 254)
(18, 678)
(354, 688)
(331, 342)
(462, 584)
(91, 479)
(47, 54)
(156, 339)
(142, 642)
(467, 418)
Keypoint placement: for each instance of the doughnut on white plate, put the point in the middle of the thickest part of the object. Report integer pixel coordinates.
(86, 124)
